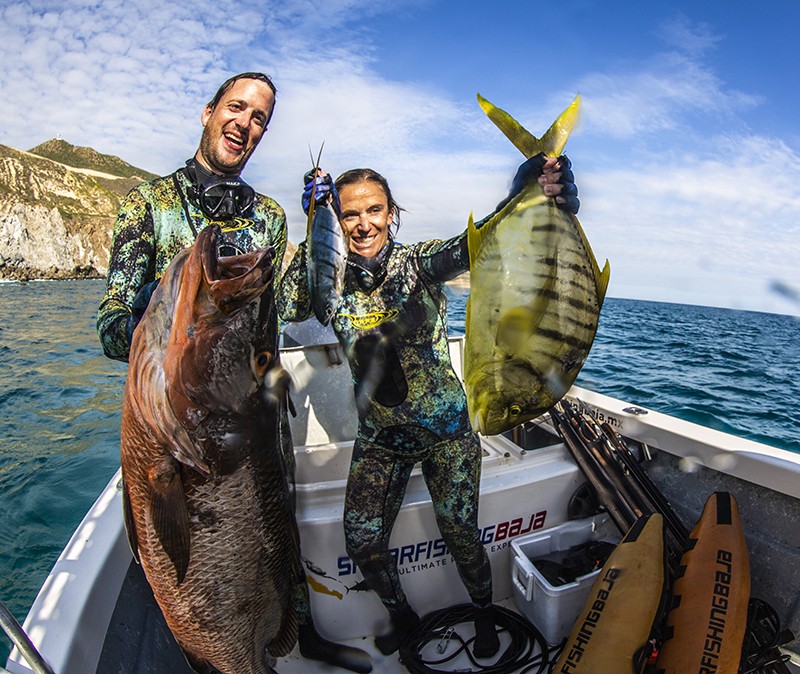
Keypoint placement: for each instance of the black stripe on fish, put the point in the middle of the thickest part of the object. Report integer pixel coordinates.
(557, 335)
(552, 226)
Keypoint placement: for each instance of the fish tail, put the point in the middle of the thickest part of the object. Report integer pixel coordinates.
(310, 220)
(551, 143)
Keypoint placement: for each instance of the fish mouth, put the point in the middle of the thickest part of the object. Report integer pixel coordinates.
(234, 281)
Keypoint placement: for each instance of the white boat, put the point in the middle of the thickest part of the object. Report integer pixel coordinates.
(95, 613)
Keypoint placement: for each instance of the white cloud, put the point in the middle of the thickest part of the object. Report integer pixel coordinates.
(681, 208)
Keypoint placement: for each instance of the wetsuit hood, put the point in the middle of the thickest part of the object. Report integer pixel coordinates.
(369, 272)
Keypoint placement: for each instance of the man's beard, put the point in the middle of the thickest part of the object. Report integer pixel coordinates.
(209, 154)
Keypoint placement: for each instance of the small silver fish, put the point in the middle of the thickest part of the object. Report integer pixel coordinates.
(327, 257)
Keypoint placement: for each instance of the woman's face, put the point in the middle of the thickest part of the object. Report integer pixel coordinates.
(365, 217)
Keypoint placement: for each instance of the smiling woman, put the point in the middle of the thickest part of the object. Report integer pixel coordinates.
(391, 321)
(368, 210)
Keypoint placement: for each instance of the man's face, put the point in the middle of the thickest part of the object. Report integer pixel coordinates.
(233, 129)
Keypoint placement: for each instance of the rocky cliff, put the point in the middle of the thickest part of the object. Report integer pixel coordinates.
(58, 203)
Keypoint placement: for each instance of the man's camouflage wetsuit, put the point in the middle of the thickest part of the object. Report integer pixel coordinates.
(156, 220)
(411, 408)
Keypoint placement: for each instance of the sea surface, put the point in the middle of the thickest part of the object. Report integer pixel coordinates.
(60, 399)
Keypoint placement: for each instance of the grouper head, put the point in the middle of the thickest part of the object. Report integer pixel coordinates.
(504, 395)
(209, 333)
(220, 347)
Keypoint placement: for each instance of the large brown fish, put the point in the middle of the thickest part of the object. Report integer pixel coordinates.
(207, 503)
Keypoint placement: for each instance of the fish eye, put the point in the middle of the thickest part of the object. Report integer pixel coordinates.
(515, 410)
(262, 363)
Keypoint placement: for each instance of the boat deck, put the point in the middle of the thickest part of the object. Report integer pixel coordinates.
(139, 642)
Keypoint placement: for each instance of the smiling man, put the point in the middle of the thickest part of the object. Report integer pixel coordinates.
(158, 219)
(233, 124)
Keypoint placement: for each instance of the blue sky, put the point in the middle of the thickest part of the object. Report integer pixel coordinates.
(687, 156)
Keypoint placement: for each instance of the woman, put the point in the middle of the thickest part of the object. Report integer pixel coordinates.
(391, 321)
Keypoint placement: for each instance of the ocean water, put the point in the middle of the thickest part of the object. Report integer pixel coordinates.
(60, 399)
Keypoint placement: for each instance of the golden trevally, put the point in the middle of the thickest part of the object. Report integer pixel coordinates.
(535, 298)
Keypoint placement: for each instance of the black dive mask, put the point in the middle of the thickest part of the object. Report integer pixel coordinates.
(219, 197)
(369, 272)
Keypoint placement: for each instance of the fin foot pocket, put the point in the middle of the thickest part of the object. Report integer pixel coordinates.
(314, 647)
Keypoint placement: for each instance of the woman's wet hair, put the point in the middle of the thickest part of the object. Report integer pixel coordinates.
(227, 84)
(366, 174)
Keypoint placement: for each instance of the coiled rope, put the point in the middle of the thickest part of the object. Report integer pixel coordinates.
(527, 652)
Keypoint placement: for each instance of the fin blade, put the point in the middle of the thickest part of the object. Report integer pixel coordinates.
(555, 138)
(522, 139)
(601, 277)
(310, 220)
(476, 237)
(130, 525)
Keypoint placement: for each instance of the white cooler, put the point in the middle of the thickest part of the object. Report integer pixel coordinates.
(553, 610)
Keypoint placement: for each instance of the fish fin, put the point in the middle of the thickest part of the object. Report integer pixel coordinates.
(130, 525)
(602, 282)
(284, 641)
(171, 517)
(478, 236)
(286, 638)
(198, 664)
(551, 143)
(601, 277)
(466, 319)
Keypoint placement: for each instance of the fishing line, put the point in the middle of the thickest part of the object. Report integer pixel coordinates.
(528, 649)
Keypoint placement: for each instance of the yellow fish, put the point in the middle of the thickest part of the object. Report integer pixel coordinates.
(535, 298)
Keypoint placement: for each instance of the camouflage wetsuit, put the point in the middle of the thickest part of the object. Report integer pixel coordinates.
(156, 221)
(411, 406)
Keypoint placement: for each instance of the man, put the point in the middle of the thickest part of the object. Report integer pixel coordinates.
(159, 218)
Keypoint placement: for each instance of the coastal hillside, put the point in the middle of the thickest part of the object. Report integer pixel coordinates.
(58, 203)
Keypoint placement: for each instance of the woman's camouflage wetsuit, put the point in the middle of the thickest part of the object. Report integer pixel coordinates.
(411, 406)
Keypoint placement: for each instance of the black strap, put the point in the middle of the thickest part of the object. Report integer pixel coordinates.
(185, 205)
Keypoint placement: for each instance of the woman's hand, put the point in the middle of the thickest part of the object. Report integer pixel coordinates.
(558, 181)
(321, 184)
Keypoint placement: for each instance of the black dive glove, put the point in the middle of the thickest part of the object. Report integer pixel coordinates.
(531, 169)
(139, 306)
(325, 189)
(570, 190)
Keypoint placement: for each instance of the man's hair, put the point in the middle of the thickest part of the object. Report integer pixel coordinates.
(227, 84)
